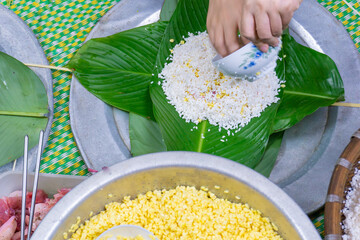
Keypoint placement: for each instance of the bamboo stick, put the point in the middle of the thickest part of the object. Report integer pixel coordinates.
(14, 165)
(343, 104)
(24, 114)
(49, 67)
(337, 104)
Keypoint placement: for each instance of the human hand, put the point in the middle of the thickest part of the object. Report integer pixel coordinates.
(258, 21)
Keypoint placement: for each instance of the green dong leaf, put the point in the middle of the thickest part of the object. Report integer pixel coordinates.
(246, 146)
(268, 160)
(168, 9)
(312, 81)
(23, 108)
(118, 69)
(188, 17)
(145, 136)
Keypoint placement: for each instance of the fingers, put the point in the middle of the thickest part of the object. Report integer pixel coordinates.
(231, 39)
(249, 33)
(247, 26)
(261, 22)
(276, 25)
(243, 41)
(211, 33)
(263, 30)
(285, 19)
(222, 27)
(210, 22)
(263, 27)
(225, 40)
(219, 41)
(260, 28)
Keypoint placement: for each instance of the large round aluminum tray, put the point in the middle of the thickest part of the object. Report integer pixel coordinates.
(18, 41)
(168, 170)
(309, 150)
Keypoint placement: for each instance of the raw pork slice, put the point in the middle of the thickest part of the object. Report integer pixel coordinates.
(7, 230)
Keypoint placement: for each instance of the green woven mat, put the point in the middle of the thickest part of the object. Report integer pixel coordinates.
(62, 26)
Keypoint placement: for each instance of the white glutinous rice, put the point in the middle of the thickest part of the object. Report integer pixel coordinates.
(200, 92)
(351, 211)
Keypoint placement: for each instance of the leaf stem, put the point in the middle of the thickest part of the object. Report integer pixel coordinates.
(49, 67)
(201, 136)
(343, 104)
(14, 165)
(24, 114)
(308, 94)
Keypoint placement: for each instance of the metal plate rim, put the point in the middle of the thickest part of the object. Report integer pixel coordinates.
(45, 76)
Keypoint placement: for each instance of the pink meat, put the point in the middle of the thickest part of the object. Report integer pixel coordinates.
(17, 235)
(41, 197)
(36, 224)
(14, 200)
(10, 209)
(18, 219)
(15, 194)
(64, 191)
(7, 230)
(61, 193)
(41, 209)
(5, 212)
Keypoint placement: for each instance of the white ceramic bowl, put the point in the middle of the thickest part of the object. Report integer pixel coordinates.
(50, 183)
(248, 62)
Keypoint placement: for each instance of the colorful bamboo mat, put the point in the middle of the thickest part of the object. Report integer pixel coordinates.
(62, 26)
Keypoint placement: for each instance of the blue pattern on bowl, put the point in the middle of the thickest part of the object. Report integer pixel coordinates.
(248, 62)
(254, 54)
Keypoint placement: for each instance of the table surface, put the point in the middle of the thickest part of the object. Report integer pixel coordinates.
(61, 27)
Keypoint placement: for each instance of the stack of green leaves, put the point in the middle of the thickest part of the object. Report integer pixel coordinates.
(23, 108)
(119, 69)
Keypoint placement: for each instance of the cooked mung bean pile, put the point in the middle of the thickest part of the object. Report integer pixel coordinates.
(200, 92)
(182, 213)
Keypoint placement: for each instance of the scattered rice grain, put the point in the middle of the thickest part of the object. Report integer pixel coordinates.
(351, 211)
